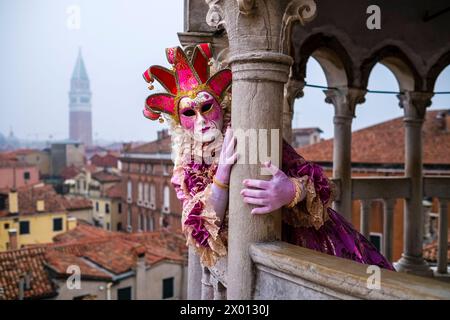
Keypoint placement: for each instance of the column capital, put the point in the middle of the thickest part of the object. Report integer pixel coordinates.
(293, 89)
(261, 65)
(345, 100)
(414, 104)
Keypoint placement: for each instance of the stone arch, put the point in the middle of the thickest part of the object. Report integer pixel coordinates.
(331, 56)
(436, 69)
(397, 62)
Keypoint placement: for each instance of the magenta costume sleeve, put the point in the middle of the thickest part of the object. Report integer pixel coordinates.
(192, 183)
(313, 224)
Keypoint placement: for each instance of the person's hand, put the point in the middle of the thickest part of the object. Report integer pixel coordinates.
(269, 195)
(228, 157)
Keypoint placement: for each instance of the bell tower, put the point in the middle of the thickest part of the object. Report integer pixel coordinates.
(80, 119)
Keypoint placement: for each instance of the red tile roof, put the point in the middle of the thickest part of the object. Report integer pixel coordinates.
(100, 255)
(29, 195)
(15, 264)
(385, 143)
(117, 251)
(163, 145)
(103, 176)
(69, 172)
(115, 191)
(108, 160)
(82, 232)
(73, 203)
(430, 251)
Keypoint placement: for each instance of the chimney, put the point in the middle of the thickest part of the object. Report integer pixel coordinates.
(40, 206)
(163, 133)
(71, 223)
(141, 282)
(13, 201)
(13, 243)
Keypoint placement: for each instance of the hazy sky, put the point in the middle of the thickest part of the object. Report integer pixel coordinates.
(119, 40)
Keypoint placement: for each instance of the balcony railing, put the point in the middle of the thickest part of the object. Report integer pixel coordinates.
(285, 271)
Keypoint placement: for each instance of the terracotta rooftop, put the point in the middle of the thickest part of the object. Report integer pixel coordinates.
(15, 264)
(76, 203)
(29, 195)
(163, 145)
(117, 252)
(115, 191)
(385, 143)
(107, 160)
(104, 177)
(430, 251)
(69, 172)
(100, 254)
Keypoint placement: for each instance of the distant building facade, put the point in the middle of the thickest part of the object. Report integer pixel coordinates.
(149, 201)
(80, 118)
(305, 136)
(65, 154)
(31, 215)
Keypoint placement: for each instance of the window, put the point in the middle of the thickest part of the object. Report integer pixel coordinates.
(96, 206)
(119, 226)
(124, 293)
(146, 192)
(108, 226)
(6, 226)
(165, 170)
(57, 224)
(119, 207)
(166, 197)
(24, 227)
(167, 288)
(128, 218)
(107, 207)
(84, 185)
(129, 189)
(149, 168)
(140, 190)
(26, 175)
(152, 194)
(140, 222)
(150, 224)
(376, 239)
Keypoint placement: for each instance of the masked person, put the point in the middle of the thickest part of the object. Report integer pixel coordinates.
(197, 107)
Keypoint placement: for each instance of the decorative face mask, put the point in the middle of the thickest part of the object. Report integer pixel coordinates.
(193, 98)
(202, 116)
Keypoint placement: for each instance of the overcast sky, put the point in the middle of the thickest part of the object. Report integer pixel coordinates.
(119, 40)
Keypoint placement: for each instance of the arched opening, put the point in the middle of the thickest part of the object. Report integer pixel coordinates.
(442, 84)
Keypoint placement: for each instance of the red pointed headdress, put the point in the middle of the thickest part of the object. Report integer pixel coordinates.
(186, 79)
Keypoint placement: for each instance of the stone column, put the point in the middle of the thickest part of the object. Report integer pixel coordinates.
(365, 218)
(443, 236)
(388, 227)
(257, 102)
(194, 291)
(293, 89)
(207, 287)
(344, 101)
(414, 105)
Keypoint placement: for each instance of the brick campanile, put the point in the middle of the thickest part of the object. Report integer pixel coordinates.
(80, 120)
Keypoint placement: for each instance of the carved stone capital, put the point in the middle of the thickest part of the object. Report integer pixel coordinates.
(246, 6)
(293, 89)
(215, 16)
(345, 100)
(302, 11)
(414, 104)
